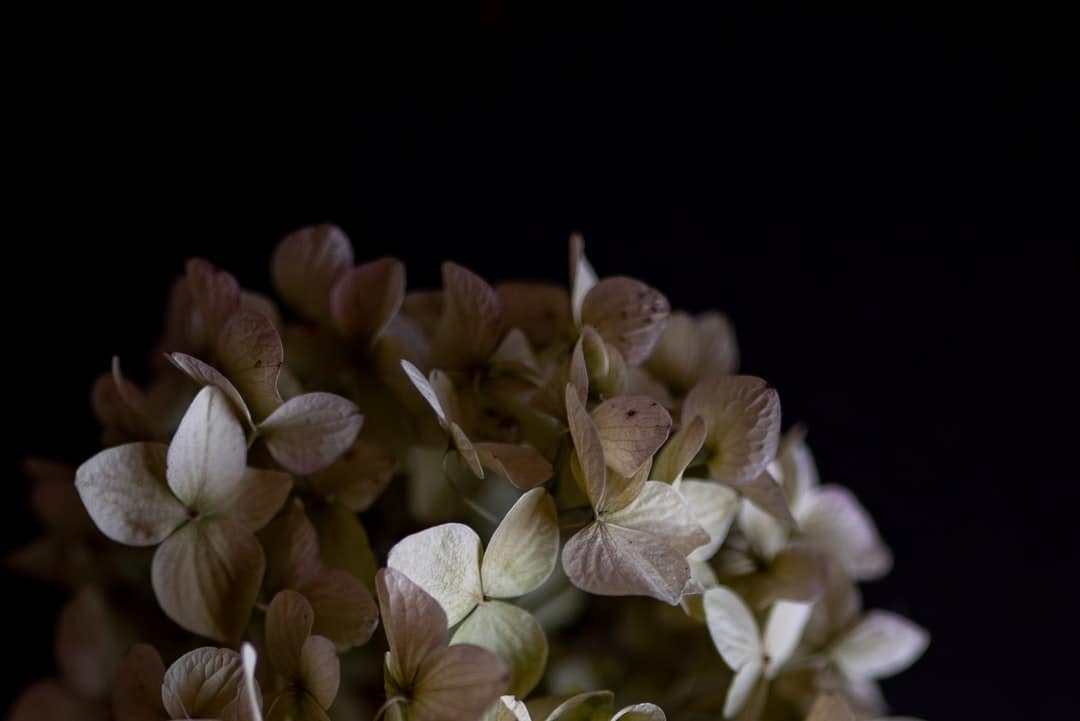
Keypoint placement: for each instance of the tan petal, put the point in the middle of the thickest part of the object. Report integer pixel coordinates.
(458, 683)
(208, 454)
(124, 491)
(661, 511)
(582, 276)
(640, 712)
(523, 466)
(540, 310)
(215, 294)
(306, 264)
(628, 314)
(524, 549)
(471, 322)
(205, 683)
(467, 450)
(309, 432)
(136, 694)
(345, 611)
(512, 634)
(830, 707)
(292, 549)
(289, 619)
(797, 573)
(49, 701)
(611, 560)
(367, 298)
(742, 415)
(261, 496)
(320, 670)
(54, 498)
(249, 352)
(206, 375)
(632, 429)
(343, 542)
(428, 392)
(765, 493)
(413, 621)
(87, 650)
(589, 448)
(444, 561)
(679, 451)
(206, 577)
(692, 348)
(358, 477)
(424, 308)
(586, 706)
(515, 356)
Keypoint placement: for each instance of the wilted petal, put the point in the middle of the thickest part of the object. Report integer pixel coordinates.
(797, 573)
(640, 712)
(214, 293)
(249, 352)
(358, 477)
(679, 451)
(590, 449)
(413, 621)
(136, 694)
(765, 493)
(205, 683)
(713, 507)
(512, 634)
(524, 549)
(367, 298)
(632, 429)
(661, 511)
(288, 624)
(427, 391)
(628, 314)
(87, 650)
(458, 683)
(586, 706)
(766, 534)
(205, 374)
(262, 494)
(733, 628)
(445, 562)
(742, 416)
(523, 466)
(880, 645)
(471, 321)
(540, 310)
(830, 707)
(832, 519)
(124, 491)
(320, 670)
(208, 454)
(306, 264)
(309, 432)
(783, 629)
(206, 577)
(345, 611)
(610, 560)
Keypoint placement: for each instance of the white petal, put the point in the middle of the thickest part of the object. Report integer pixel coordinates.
(445, 562)
(787, 619)
(512, 634)
(661, 511)
(424, 387)
(742, 686)
(766, 534)
(309, 432)
(732, 627)
(880, 645)
(524, 549)
(833, 520)
(124, 491)
(713, 507)
(208, 454)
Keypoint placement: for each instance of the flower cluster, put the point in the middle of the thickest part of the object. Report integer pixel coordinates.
(479, 502)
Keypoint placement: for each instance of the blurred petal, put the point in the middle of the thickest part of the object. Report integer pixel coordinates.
(880, 645)
(540, 310)
(830, 707)
(831, 519)
(48, 701)
(444, 561)
(628, 314)
(358, 477)
(87, 650)
(345, 611)
(366, 298)
(471, 322)
(136, 694)
(262, 494)
(765, 493)
(320, 670)
(512, 634)
(206, 577)
(124, 491)
(733, 628)
(766, 534)
(582, 276)
(679, 451)
(288, 624)
(783, 629)
(524, 549)
(343, 542)
(208, 454)
(214, 293)
(746, 681)
(309, 432)
(632, 429)
(306, 264)
(523, 466)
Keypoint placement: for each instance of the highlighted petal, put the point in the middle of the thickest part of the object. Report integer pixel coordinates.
(208, 454)
(524, 549)
(445, 562)
(512, 634)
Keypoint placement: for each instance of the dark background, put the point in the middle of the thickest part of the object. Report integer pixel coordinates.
(882, 204)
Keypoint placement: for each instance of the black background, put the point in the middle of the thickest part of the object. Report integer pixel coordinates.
(881, 203)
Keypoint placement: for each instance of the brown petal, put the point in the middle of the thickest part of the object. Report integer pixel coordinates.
(367, 298)
(628, 314)
(305, 266)
(309, 432)
(87, 650)
(48, 701)
(262, 494)
(358, 477)
(471, 321)
(215, 294)
(320, 670)
(345, 611)
(205, 374)
(204, 683)
(249, 352)
(458, 683)
(523, 466)
(541, 310)
(136, 695)
(413, 621)
(289, 619)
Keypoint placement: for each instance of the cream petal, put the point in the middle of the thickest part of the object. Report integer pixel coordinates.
(208, 454)
(444, 561)
(632, 429)
(512, 634)
(524, 549)
(661, 511)
(733, 628)
(880, 645)
(628, 314)
(309, 432)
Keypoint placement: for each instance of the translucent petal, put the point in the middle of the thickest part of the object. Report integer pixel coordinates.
(512, 634)
(679, 452)
(206, 577)
(471, 322)
(124, 491)
(306, 264)
(632, 429)
(444, 561)
(205, 374)
(523, 466)
(628, 314)
(880, 645)
(524, 549)
(249, 352)
(366, 298)
(309, 432)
